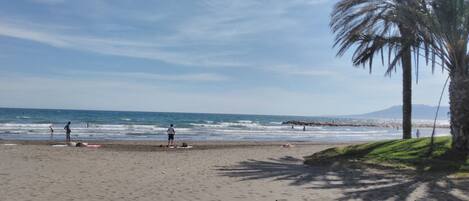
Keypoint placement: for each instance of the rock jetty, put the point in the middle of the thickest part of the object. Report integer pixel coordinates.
(359, 124)
(332, 124)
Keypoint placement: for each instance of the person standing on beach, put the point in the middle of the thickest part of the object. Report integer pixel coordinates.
(171, 132)
(67, 131)
(51, 132)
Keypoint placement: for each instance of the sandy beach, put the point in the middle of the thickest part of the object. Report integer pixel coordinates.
(210, 171)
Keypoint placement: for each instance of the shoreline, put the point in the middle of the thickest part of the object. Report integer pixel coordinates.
(158, 145)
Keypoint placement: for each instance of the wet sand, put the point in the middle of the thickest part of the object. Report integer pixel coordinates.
(34, 170)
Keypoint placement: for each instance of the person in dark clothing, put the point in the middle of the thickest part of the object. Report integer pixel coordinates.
(51, 130)
(67, 132)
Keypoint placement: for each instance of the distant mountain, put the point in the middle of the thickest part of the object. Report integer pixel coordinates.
(418, 112)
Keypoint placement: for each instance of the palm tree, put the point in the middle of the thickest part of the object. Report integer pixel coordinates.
(379, 27)
(448, 22)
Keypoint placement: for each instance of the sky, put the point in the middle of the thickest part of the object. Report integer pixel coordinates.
(209, 56)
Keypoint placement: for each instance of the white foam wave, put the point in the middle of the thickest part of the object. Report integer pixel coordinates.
(237, 124)
(276, 122)
(222, 130)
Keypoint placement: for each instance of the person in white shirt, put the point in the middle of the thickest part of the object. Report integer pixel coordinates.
(171, 132)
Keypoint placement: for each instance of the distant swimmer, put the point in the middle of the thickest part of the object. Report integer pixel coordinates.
(304, 128)
(171, 132)
(67, 131)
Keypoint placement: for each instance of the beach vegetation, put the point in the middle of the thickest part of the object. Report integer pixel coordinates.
(407, 154)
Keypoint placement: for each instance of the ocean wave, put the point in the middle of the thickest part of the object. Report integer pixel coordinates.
(244, 121)
(276, 122)
(20, 125)
(237, 124)
(236, 130)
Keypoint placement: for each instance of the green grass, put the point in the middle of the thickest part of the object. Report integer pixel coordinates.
(399, 154)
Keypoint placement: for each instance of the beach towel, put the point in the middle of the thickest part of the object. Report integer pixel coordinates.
(93, 145)
(187, 147)
(59, 145)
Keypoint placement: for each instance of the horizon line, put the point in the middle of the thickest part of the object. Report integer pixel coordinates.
(178, 112)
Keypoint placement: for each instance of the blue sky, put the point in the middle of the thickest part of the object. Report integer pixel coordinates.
(216, 56)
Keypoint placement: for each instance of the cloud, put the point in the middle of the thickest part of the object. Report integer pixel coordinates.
(198, 77)
(221, 33)
(118, 95)
(41, 37)
(115, 46)
(302, 71)
(314, 2)
(264, 39)
(49, 1)
(237, 20)
(139, 76)
(112, 92)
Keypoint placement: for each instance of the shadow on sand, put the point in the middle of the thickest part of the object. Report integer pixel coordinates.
(357, 181)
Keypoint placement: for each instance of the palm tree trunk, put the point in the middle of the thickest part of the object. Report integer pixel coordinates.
(407, 94)
(459, 108)
(432, 138)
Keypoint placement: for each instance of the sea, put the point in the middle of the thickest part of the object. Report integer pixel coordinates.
(34, 124)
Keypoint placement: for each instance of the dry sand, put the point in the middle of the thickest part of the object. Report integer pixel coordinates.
(212, 171)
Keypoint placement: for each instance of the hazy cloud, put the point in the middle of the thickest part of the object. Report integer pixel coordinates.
(48, 1)
(219, 36)
(136, 76)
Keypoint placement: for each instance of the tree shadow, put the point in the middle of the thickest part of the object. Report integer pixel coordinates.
(358, 181)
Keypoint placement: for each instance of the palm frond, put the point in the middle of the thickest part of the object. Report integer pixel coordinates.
(374, 28)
